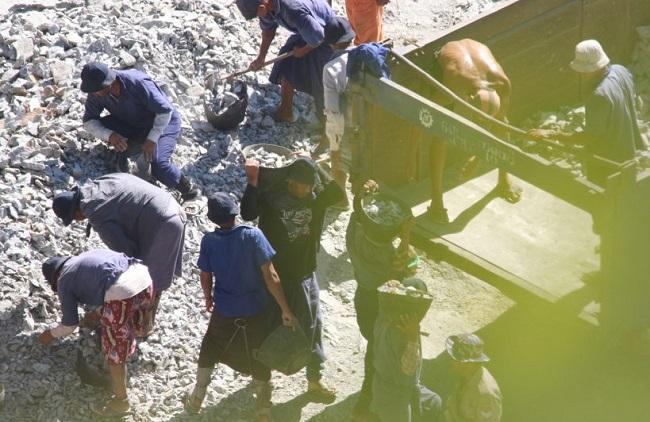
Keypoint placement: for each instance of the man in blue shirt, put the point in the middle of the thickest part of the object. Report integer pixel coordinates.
(307, 20)
(236, 277)
(122, 287)
(611, 129)
(141, 116)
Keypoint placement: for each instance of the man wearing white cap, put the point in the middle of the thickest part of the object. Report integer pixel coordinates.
(611, 130)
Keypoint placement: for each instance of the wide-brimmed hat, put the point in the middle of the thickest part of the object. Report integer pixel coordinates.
(65, 204)
(221, 208)
(96, 76)
(466, 348)
(338, 31)
(589, 57)
(248, 8)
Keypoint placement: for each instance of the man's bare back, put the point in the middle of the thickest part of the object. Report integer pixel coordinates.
(470, 70)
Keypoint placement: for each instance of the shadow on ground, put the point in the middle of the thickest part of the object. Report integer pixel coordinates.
(553, 368)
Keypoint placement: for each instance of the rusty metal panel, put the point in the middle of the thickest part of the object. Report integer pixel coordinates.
(394, 147)
(435, 120)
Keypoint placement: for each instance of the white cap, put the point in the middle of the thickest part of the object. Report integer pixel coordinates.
(589, 57)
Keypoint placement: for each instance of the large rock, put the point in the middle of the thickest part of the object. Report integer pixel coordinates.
(62, 71)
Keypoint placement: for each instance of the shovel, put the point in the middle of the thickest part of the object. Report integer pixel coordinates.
(211, 80)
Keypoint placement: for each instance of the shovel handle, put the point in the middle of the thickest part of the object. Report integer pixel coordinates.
(266, 63)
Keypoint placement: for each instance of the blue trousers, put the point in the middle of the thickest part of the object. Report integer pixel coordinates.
(162, 167)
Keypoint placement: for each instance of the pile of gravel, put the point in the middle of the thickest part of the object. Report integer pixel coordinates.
(44, 149)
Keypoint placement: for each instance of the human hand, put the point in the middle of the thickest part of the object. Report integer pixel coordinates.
(252, 168)
(542, 134)
(409, 326)
(45, 337)
(90, 320)
(148, 149)
(288, 319)
(300, 52)
(256, 64)
(118, 142)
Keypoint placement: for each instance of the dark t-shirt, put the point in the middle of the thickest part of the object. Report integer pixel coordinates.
(234, 257)
(610, 119)
(292, 226)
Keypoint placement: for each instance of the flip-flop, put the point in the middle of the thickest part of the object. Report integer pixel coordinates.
(188, 405)
(512, 194)
(105, 411)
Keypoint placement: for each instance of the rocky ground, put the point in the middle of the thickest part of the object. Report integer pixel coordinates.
(43, 149)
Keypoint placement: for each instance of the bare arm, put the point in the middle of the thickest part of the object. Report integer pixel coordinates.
(267, 38)
(272, 281)
(206, 286)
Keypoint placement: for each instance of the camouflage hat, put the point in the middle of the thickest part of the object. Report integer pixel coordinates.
(466, 348)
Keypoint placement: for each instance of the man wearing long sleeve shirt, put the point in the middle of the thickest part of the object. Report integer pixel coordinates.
(292, 218)
(307, 20)
(139, 114)
(134, 217)
(122, 287)
(375, 261)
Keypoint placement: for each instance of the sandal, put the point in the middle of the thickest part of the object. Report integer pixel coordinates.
(190, 405)
(263, 414)
(106, 411)
(321, 392)
(438, 215)
(510, 193)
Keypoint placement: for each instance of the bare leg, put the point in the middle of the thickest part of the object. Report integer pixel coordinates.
(437, 157)
(118, 377)
(285, 110)
(506, 189)
(339, 176)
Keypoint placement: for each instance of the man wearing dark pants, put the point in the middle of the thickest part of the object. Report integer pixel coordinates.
(292, 218)
(375, 261)
(237, 276)
(141, 116)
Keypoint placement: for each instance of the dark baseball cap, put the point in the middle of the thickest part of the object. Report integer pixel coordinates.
(51, 267)
(248, 8)
(302, 170)
(65, 204)
(96, 76)
(338, 31)
(221, 208)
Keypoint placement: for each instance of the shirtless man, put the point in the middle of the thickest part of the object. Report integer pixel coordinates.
(470, 70)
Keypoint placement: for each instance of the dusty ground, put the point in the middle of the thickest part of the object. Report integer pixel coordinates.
(545, 365)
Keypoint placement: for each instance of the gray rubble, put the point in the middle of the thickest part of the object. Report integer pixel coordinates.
(44, 149)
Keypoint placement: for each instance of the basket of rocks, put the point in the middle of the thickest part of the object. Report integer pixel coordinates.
(225, 106)
(269, 155)
(383, 215)
(397, 299)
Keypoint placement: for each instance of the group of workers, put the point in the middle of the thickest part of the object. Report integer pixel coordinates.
(256, 278)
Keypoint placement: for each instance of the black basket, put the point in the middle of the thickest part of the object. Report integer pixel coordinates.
(286, 350)
(230, 117)
(382, 232)
(407, 301)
